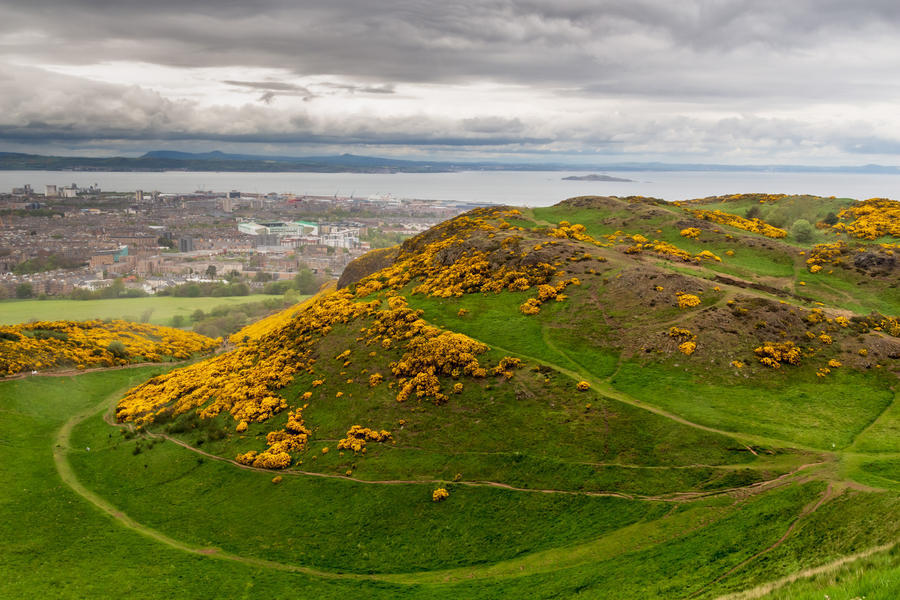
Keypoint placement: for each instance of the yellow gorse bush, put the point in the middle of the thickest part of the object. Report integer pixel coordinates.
(687, 347)
(773, 354)
(245, 381)
(48, 344)
(357, 436)
(822, 254)
(260, 328)
(871, 219)
(686, 300)
(662, 248)
(752, 225)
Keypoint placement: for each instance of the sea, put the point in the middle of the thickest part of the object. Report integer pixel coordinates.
(520, 188)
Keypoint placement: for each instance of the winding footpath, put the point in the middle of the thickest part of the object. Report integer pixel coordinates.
(751, 489)
(629, 539)
(61, 447)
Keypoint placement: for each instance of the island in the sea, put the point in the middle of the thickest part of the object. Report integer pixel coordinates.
(595, 177)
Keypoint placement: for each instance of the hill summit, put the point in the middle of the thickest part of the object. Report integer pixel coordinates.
(551, 303)
(657, 399)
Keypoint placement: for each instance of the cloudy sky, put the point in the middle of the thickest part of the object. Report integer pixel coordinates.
(722, 81)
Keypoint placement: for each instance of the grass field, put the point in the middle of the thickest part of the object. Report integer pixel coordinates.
(158, 309)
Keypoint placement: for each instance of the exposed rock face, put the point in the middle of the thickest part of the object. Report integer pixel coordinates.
(872, 261)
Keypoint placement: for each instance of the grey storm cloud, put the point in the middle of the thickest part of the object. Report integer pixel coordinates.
(568, 42)
(76, 110)
(71, 110)
(694, 75)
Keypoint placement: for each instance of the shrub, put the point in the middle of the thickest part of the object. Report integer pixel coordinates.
(687, 348)
(687, 300)
(117, 349)
(772, 354)
(530, 307)
(50, 334)
(802, 231)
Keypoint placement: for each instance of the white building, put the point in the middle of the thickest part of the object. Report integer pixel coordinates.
(292, 228)
(341, 238)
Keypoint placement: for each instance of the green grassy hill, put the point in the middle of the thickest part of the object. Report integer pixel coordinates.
(621, 398)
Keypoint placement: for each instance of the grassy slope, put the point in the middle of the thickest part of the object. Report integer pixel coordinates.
(873, 579)
(781, 265)
(130, 309)
(421, 536)
(821, 416)
(55, 544)
(93, 556)
(537, 433)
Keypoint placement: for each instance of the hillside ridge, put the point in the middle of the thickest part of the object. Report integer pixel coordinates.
(713, 371)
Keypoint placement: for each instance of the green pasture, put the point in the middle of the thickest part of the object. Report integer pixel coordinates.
(158, 310)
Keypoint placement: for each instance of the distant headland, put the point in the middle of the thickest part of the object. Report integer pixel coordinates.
(595, 177)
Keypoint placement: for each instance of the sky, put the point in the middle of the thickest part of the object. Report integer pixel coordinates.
(811, 82)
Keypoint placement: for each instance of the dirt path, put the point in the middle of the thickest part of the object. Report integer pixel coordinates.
(61, 448)
(767, 588)
(807, 510)
(675, 525)
(618, 465)
(606, 389)
(751, 489)
(872, 424)
(543, 561)
(301, 473)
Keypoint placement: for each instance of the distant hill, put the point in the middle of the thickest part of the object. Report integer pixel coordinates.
(170, 160)
(165, 160)
(345, 160)
(595, 177)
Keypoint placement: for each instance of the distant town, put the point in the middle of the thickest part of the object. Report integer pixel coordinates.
(72, 241)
